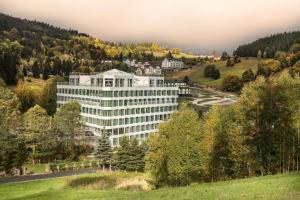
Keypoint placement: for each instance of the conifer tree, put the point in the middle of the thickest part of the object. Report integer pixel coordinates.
(104, 151)
(123, 156)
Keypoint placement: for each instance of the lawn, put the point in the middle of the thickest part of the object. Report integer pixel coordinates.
(283, 186)
(196, 73)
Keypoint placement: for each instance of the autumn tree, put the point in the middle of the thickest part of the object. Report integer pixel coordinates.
(175, 155)
(68, 126)
(26, 97)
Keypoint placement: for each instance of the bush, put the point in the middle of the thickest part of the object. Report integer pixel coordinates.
(248, 76)
(232, 83)
(212, 72)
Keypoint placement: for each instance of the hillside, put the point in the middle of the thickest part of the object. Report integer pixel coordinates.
(284, 186)
(270, 44)
(40, 48)
(196, 73)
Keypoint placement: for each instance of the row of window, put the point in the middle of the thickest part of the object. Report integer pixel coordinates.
(131, 93)
(115, 103)
(140, 137)
(132, 102)
(108, 82)
(124, 121)
(128, 111)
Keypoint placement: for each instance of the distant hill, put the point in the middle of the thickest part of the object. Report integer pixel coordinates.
(270, 44)
(40, 48)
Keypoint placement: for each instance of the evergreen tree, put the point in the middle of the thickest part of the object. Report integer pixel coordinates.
(104, 151)
(123, 153)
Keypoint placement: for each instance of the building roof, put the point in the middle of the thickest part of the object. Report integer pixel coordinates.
(114, 72)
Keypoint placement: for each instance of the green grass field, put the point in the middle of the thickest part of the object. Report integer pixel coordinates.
(283, 186)
(196, 73)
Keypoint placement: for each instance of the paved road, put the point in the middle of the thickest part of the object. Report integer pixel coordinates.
(15, 179)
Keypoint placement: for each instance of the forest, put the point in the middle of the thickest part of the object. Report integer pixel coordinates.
(34, 48)
(269, 45)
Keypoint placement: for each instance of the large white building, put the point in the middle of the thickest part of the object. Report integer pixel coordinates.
(120, 103)
(172, 64)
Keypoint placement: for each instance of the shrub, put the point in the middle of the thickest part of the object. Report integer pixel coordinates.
(212, 72)
(232, 83)
(248, 76)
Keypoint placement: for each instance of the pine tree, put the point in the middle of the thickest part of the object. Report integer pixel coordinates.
(104, 151)
(123, 155)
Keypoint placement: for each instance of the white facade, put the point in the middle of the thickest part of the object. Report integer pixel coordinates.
(172, 64)
(184, 89)
(120, 103)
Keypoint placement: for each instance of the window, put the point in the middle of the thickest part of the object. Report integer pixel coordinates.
(129, 83)
(108, 82)
(117, 82)
(151, 83)
(122, 82)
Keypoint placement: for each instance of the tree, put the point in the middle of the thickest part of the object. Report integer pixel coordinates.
(232, 83)
(36, 70)
(248, 76)
(212, 72)
(295, 48)
(10, 60)
(229, 154)
(48, 96)
(224, 55)
(268, 68)
(136, 161)
(267, 109)
(36, 126)
(295, 70)
(236, 59)
(9, 110)
(175, 155)
(230, 62)
(26, 97)
(259, 54)
(123, 153)
(186, 80)
(46, 72)
(9, 152)
(104, 151)
(169, 55)
(68, 127)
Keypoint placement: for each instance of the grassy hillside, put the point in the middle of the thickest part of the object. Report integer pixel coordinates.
(284, 186)
(196, 73)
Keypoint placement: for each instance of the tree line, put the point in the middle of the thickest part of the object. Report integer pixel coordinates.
(268, 46)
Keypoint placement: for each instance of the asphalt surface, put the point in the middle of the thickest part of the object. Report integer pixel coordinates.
(16, 179)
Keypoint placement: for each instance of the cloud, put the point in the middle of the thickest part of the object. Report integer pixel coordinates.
(193, 25)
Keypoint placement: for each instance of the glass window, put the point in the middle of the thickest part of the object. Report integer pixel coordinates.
(108, 82)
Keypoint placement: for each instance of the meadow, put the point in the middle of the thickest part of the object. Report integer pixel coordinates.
(196, 73)
(282, 186)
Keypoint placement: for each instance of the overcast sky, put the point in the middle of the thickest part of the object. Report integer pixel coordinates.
(192, 25)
